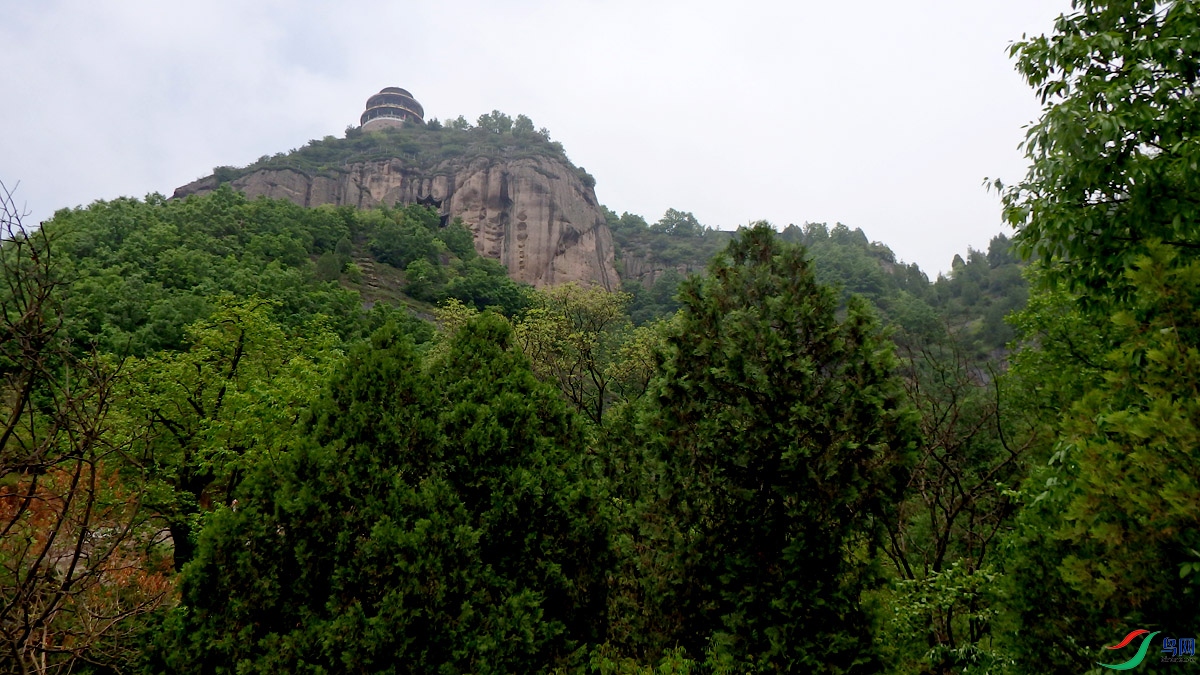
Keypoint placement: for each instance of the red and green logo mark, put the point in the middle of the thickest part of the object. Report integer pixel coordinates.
(1141, 652)
(1181, 650)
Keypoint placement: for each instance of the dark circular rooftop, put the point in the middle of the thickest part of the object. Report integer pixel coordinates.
(393, 105)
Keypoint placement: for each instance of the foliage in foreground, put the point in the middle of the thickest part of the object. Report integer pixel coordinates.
(78, 562)
(436, 519)
(755, 485)
(778, 441)
(1106, 541)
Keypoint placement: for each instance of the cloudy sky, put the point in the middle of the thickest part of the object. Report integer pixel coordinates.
(881, 114)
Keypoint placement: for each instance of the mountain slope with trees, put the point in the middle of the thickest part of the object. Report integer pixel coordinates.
(524, 202)
(247, 436)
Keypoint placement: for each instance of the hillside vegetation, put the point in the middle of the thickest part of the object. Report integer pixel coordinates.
(242, 348)
(970, 302)
(247, 437)
(421, 146)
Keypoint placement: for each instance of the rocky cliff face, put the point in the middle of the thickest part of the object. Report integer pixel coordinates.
(534, 214)
(646, 269)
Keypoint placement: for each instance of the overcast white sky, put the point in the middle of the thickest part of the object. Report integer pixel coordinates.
(881, 114)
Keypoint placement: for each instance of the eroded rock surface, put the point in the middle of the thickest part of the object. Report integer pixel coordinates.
(534, 215)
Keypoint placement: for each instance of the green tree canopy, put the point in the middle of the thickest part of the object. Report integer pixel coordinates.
(678, 223)
(785, 434)
(436, 521)
(1114, 156)
(202, 418)
(1110, 210)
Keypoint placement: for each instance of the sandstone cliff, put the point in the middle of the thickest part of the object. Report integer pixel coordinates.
(645, 269)
(533, 214)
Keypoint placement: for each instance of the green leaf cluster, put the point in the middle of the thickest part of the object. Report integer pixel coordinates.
(1105, 539)
(142, 271)
(439, 517)
(1115, 163)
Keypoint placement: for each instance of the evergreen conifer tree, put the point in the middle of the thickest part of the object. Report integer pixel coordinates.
(783, 440)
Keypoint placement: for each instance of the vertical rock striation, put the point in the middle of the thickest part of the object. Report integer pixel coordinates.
(533, 214)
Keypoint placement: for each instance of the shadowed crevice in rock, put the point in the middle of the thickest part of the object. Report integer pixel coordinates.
(533, 214)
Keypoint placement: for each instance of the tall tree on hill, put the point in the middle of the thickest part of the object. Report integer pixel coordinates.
(678, 223)
(783, 439)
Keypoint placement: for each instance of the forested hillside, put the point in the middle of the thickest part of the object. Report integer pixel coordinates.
(244, 436)
(424, 145)
(970, 301)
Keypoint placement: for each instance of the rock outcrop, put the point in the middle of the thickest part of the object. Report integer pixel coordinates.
(533, 214)
(646, 270)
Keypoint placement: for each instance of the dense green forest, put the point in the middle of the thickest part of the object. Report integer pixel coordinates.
(248, 437)
(970, 302)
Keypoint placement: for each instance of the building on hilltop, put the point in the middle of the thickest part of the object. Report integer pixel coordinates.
(391, 107)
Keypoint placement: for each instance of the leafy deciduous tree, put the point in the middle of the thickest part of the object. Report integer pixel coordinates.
(78, 561)
(1113, 158)
(1110, 209)
(572, 336)
(210, 413)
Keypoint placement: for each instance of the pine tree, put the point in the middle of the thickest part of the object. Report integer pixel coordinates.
(783, 441)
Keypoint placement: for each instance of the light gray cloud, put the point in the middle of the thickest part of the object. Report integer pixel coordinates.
(882, 115)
